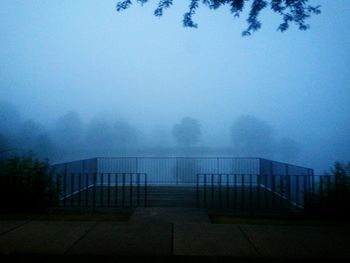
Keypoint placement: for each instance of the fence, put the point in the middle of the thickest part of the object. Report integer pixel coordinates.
(254, 193)
(93, 190)
(181, 170)
(239, 184)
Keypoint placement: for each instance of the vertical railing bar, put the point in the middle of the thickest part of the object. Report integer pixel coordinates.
(205, 190)
(227, 192)
(123, 190)
(116, 190)
(235, 191)
(282, 193)
(138, 188)
(79, 189)
(130, 190)
(108, 190)
(265, 191)
(258, 200)
(212, 190)
(197, 191)
(273, 178)
(64, 188)
(297, 191)
(220, 193)
(58, 188)
(101, 189)
(306, 194)
(72, 189)
(94, 192)
(87, 190)
(243, 192)
(250, 194)
(289, 192)
(145, 189)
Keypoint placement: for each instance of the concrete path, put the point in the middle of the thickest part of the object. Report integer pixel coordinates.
(173, 232)
(169, 215)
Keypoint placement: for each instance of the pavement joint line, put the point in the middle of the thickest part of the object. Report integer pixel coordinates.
(15, 227)
(80, 238)
(249, 240)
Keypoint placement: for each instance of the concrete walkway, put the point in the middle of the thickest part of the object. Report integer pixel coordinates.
(173, 232)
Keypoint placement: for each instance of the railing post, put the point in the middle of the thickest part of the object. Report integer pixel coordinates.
(94, 192)
(227, 192)
(108, 190)
(251, 194)
(130, 190)
(64, 188)
(58, 189)
(220, 193)
(212, 190)
(123, 190)
(101, 189)
(205, 190)
(243, 192)
(116, 190)
(197, 191)
(79, 189)
(145, 190)
(87, 190)
(71, 189)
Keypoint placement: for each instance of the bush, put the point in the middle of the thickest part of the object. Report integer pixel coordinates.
(25, 184)
(333, 200)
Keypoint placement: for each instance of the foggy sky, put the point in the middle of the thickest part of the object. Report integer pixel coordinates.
(83, 56)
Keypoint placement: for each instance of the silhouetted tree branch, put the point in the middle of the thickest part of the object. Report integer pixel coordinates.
(291, 11)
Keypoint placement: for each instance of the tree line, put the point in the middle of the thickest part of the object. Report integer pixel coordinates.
(69, 138)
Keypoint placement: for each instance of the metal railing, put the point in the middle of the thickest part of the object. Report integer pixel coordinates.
(248, 194)
(108, 190)
(254, 193)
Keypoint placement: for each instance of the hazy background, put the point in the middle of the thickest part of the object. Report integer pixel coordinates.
(78, 79)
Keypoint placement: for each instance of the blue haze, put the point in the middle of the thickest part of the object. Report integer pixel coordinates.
(58, 56)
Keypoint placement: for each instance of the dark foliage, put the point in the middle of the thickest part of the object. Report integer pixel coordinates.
(25, 184)
(291, 11)
(332, 198)
(187, 132)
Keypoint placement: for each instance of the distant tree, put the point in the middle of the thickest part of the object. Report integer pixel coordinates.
(68, 133)
(288, 149)
(45, 148)
(291, 11)
(187, 132)
(28, 133)
(10, 120)
(124, 135)
(3, 143)
(99, 137)
(252, 137)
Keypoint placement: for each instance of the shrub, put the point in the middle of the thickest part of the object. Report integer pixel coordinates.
(333, 200)
(25, 184)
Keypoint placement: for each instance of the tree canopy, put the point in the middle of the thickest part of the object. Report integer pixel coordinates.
(187, 132)
(291, 11)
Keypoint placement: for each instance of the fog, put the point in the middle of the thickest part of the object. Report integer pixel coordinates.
(79, 80)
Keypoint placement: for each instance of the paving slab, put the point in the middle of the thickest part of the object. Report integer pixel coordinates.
(211, 240)
(289, 242)
(170, 215)
(43, 237)
(123, 239)
(8, 225)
